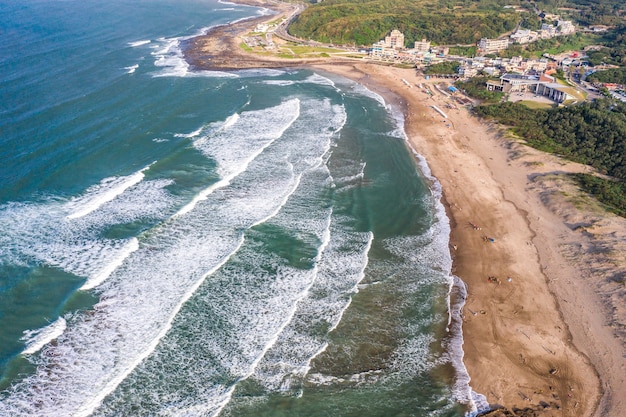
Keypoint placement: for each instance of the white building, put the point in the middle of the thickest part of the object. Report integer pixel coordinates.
(566, 27)
(523, 36)
(395, 40)
(423, 46)
(493, 45)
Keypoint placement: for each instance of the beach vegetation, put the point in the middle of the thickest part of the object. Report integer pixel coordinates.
(450, 22)
(609, 192)
(585, 12)
(443, 68)
(552, 46)
(468, 51)
(590, 133)
(476, 87)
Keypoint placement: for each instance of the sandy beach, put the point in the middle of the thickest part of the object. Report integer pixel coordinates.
(545, 317)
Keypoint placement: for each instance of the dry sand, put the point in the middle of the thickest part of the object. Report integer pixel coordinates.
(547, 335)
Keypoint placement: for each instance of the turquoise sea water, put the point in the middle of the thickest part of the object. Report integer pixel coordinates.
(255, 243)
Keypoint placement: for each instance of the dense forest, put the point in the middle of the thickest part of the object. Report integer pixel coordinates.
(614, 75)
(363, 22)
(586, 12)
(449, 22)
(591, 133)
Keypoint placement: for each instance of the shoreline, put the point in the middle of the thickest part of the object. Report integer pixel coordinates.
(542, 340)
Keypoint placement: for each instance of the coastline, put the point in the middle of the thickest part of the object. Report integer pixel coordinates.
(543, 340)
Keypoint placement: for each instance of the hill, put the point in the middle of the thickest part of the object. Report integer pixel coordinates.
(364, 22)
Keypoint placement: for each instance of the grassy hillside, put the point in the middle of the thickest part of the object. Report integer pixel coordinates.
(364, 22)
(450, 22)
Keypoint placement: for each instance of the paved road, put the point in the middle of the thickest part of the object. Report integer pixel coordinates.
(281, 30)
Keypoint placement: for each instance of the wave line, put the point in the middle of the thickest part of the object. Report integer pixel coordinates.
(95, 402)
(100, 199)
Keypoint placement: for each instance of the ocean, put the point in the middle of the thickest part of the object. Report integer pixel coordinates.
(180, 243)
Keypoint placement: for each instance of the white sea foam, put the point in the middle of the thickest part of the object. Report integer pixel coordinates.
(233, 152)
(131, 69)
(282, 83)
(193, 134)
(311, 79)
(230, 121)
(260, 72)
(40, 234)
(361, 90)
(139, 43)
(89, 407)
(107, 190)
(99, 277)
(169, 57)
(200, 265)
(234, 295)
(320, 80)
(37, 339)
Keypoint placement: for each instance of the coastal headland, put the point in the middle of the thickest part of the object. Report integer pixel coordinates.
(542, 320)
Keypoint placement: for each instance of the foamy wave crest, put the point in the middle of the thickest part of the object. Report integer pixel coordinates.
(131, 69)
(193, 134)
(107, 190)
(169, 57)
(37, 339)
(361, 90)
(320, 80)
(282, 83)
(461, 390)
(239, 140)
(311, 79)
(112, 265)
(39, 233)
(139, 43)
(261, 72)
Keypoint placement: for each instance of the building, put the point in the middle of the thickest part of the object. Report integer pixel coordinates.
(493, 45)
(380, 50)
(395, 40)
(547, 31)
(441, 50)
(538, 65)
(523, 36)
(566, 27)
(467, 71)
(542, 85)
(423, 46)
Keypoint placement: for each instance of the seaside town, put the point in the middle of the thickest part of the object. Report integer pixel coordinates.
(520, 79)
